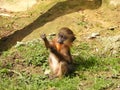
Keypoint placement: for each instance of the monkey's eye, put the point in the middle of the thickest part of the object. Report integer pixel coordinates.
(62, 36)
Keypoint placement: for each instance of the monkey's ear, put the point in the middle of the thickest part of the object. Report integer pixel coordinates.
(73, 38)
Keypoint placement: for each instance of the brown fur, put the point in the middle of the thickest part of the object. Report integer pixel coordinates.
(60, 59)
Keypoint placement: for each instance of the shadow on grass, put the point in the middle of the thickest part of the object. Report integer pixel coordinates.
(82, 64)
(59, 9)
(85, 63)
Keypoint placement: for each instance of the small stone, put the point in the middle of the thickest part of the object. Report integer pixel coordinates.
(20, 44)
(94, 35)
(118, 86)
(4, 14)
(112, 27)
(52, 34)
(114, 2)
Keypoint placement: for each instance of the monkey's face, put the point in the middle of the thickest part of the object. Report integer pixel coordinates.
(65, 36)
(61, 38)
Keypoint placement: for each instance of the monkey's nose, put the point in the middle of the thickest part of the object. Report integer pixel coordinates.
(60, 41)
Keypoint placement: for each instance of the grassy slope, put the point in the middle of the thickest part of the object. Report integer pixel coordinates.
(22, 67)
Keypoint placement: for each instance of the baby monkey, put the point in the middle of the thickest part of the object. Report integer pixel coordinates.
(60, 59)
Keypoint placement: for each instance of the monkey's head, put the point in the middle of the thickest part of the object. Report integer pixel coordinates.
(65, 36)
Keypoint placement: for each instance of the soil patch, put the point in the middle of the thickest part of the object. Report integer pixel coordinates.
(17, 5)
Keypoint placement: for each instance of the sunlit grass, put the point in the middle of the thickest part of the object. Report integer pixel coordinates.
(91, 70)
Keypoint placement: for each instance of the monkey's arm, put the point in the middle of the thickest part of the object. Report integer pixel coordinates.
(67, 55)
(47, 44)
(63, 56)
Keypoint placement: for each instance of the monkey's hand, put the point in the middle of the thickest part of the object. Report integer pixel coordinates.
(47, 44)
(43, 36)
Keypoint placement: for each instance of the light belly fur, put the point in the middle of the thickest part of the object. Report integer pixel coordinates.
(54, 62)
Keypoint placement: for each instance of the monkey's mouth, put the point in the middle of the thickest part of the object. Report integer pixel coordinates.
(60, 42)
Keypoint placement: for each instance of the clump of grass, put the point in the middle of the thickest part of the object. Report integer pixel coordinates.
(87, 74)
(34, 53)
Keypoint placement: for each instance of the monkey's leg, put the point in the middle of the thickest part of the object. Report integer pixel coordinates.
(63, 69)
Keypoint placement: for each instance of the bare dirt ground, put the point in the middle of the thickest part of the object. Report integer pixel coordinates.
(17, 5)
(84, 17)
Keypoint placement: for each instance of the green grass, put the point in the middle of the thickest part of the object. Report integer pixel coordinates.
(93, 72)
(22, 67)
